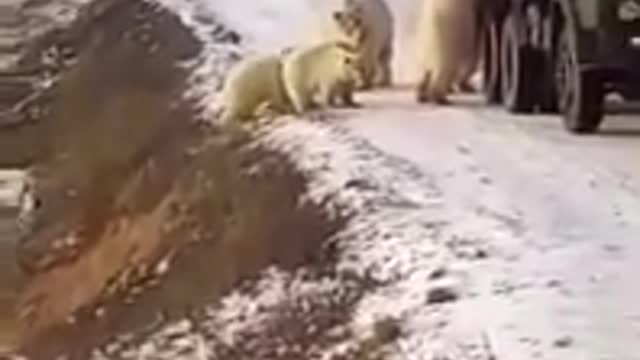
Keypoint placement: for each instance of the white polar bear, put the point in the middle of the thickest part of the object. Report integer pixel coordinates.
(253, 84)
(324, 70)
(369, 24)
(448, 44)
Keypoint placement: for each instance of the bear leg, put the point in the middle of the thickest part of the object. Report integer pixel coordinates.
(464, 86)
(344, 92)
(441, 99)
(422, 90)
(327, 97)
(271, 107)
(383, 68)
(281, 108)
(438, 95)
(467, 72)
(313, 105)
(299, 102)
(294, 89)
(229, 115)
(441, 85)
(333, 96)
(348, 101)
(364, 80)
(237, 109)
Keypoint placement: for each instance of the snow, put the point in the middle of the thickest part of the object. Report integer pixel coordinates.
(396, 236)
(399, 234)
(415, 216)
(11, 182)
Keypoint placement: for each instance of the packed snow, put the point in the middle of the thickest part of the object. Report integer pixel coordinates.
(468, 275)
(400, 232)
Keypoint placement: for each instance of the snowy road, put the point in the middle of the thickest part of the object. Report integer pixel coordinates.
(569, 268)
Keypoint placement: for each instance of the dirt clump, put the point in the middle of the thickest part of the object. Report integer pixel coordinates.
(101, 27)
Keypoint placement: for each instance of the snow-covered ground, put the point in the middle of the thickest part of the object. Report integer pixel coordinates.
(535, 238)
(530, 230)
(10, 184)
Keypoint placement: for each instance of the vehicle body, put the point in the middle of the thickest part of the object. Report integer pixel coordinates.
(561, 55)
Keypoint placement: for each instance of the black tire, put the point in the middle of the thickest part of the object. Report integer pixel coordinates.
(547, 95)
(580, 93)
(491, 64)
(517, 70)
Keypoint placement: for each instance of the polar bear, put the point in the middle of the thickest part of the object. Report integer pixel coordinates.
(371, 24)
(327, 70)
(474, 61)
(253, 85)
(448, 44)
(463, 83)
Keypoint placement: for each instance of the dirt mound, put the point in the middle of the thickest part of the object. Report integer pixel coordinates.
(144, 212)
(104, 121)
(47, 55)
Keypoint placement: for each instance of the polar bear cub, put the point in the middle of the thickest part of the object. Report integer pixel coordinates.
(371, 23)
(254, 84)
(325, 71)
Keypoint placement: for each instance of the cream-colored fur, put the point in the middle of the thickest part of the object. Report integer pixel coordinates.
(321, 72)
(253, 85)
(372, 24)
(448, 44)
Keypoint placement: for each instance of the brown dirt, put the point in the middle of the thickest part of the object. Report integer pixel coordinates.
(77, 138)
(101, 27)
(127, 179)
(10, 281)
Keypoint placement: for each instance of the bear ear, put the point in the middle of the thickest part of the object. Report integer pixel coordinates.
(338, 16)
(287, 50)
(349, 4)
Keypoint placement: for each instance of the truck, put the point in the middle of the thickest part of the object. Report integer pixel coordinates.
(560, 56)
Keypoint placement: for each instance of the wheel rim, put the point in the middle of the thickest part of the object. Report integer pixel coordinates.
(492, 55)
(488, 58)
(565, 75)
(509, 61)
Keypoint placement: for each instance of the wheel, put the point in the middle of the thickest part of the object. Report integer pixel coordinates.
(580, 93)
(516, 76)
(548, 93)
(491, 64)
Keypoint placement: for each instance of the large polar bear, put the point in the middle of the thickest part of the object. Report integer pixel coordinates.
(325, 70)
(254, 84)
(448, 44)
(370, 24)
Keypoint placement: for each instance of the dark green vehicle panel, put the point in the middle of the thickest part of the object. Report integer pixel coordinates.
(609, 35)
(593, 14)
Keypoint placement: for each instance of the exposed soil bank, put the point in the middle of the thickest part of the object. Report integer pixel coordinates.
(11, 279)
(146, 214)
